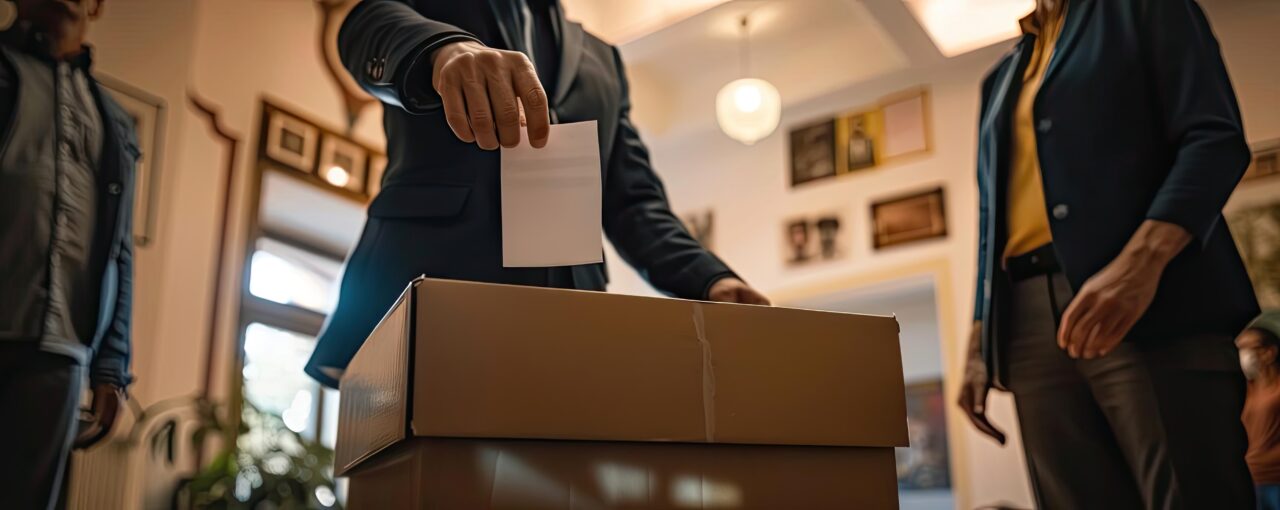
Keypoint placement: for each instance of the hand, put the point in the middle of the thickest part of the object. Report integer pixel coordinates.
(106, 405)
(487, 92)
(1112, 301)
(976, 385)
(733, 290)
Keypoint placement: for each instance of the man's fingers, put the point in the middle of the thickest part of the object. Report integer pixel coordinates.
(534, 99)
(977, 412)
(479, 112)
(455, 110)
(1072, 320)
(505, 108)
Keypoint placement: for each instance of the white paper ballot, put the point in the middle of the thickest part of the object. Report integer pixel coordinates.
(551, 200)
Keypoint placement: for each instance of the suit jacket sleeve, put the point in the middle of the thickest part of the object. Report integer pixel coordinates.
(984, 208)
(639, 222)
(110, 363)
(1201, 118)
(386, 46)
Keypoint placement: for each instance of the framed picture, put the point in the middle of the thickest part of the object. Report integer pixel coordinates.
(813, 239)
(1257, 234)
(905, 124)
(925, 465)
(858, 141)
(343, 164)
(813, 152)
(701, 225)
(148, 113)
(1266, 161)
(908, 219)
(291, 141)
(377, 168)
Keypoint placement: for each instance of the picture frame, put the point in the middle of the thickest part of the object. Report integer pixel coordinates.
(926, 464)
(816, 238)
(701, 225)
(148, 112)
(1265, 163)
(908, 219)
(859, 136)
(813, 152)
(338, 152)
(905, 126)
(292, 141)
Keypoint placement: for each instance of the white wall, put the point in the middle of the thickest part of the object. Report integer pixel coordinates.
(747, 187)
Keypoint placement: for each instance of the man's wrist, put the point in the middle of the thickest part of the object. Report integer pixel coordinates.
(1156, 243)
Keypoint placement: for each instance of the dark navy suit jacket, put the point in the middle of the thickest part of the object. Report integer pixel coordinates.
(1136, 119)
(438, 212)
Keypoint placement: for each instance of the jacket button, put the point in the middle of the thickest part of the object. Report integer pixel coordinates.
(1044, 125)
(1061, 211)
(114, 188)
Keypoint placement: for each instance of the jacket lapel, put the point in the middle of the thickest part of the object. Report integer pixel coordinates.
(571, 39)
(1078, 12)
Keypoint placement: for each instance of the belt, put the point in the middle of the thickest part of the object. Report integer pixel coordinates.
(1038, 262)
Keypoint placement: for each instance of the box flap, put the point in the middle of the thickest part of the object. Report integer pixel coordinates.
(499, 361)
(373, 410)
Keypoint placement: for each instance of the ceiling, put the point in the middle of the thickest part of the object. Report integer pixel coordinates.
(679, 53)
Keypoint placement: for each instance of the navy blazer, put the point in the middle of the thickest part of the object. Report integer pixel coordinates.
(1136, 119)
(438, 212)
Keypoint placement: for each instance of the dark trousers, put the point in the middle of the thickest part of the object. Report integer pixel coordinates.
(39, 399)
(1153, 425)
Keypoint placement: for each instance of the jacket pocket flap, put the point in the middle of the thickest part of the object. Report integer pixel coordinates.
(433, 201)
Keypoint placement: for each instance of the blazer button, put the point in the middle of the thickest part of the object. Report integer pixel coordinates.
(114, 188)
(1061, 211)
(1044, 125)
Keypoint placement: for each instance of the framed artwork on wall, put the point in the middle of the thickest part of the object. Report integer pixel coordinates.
(814, 239)
(1257, 233)
(292, 141)
(1266, 161)
(908, 219)
(905, 119)
(813, 152)
(925, 465)
(858, 135)
(701, 225)
(148, 113)
(343, 164)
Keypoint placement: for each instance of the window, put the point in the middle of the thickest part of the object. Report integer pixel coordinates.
(293, 276)
(273, 378)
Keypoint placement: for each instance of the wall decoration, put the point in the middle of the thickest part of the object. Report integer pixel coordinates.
(1266, 161)
(291, 141)
(819, 238)
(906, 125)
(148, 113)
(813, 152)
(1257, 234)
(354, 99)
(342, 163)
(701, 225)
(925, 465)
(858, 141)
(908, 219)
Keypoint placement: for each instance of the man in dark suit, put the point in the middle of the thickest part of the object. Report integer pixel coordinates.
(1109, 288)
(458, 80)
(66, 245)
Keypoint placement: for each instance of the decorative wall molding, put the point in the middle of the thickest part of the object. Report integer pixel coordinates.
(355, 100)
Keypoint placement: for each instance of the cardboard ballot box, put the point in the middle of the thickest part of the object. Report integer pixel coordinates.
(473, 395)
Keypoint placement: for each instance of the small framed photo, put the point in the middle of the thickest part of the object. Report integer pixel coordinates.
(906, 124)
(701, 225)
(343, 164)
(292, 142)
(148, 113)
(1266, 161)
(813, 152)
(858, 141)
(814, 239)
(908, 219)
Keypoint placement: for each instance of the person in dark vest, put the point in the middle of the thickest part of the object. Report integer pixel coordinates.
(1109, 289)
(458, 80)
(66, 257)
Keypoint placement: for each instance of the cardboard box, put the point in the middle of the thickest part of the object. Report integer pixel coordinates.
(486, 363)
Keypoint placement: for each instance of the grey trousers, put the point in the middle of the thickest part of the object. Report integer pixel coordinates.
(1153, 425)
(39, 399)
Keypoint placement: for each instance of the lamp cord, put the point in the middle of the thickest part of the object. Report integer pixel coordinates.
(746, 47)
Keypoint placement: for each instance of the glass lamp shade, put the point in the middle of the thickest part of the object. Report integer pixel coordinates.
(748, 109)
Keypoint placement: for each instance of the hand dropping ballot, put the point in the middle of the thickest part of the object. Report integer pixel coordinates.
(551, 200)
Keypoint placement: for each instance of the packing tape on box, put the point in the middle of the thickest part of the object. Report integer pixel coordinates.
(708, 374)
